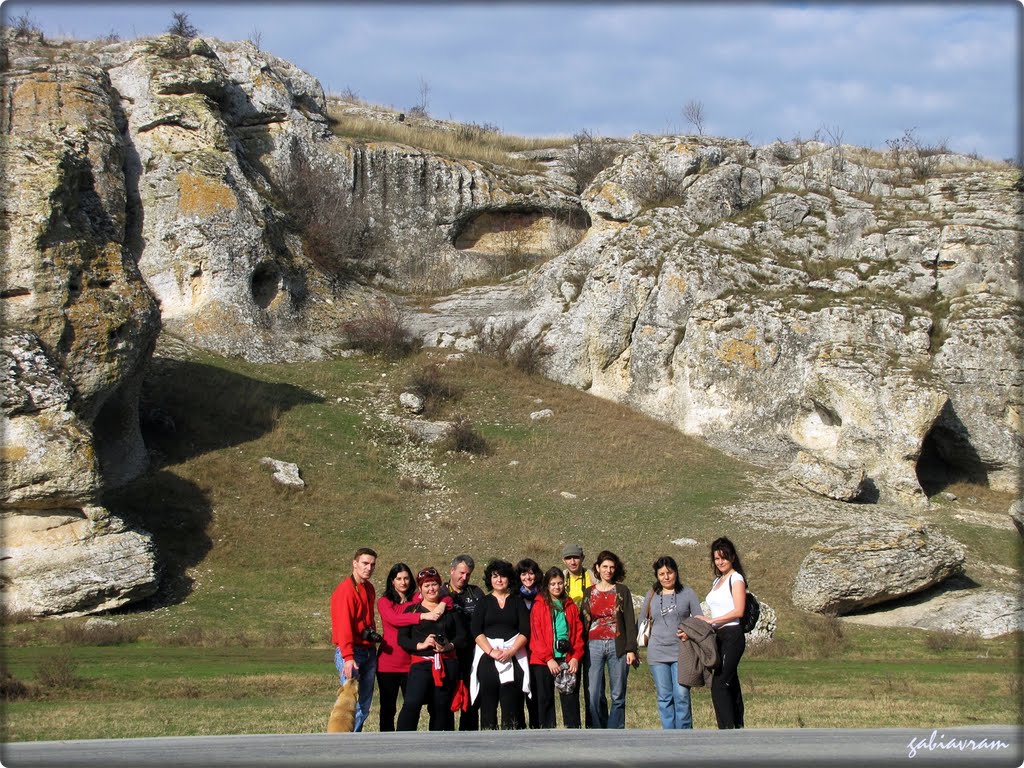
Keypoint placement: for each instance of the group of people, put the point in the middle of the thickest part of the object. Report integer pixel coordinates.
(535, 637)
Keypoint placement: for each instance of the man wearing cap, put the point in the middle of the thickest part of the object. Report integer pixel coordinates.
(464, 597)
(577, 578)
(577, 582)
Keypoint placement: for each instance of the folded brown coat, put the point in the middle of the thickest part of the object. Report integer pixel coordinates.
(698, 656)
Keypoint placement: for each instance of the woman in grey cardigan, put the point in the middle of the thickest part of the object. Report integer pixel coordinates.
(668, 603)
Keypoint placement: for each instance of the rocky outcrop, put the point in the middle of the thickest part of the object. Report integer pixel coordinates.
(960, 612)
(797, 304)
(79, 327)
(1017, 515)
(861, 567)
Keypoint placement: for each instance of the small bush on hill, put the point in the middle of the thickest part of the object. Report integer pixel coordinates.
(504, 343)
(429, 383)
(181, 26)
(587, 157)
(334, 224)
(57, 671)
(107, 633)
(380, 328)
(463, 438)
(12, 689)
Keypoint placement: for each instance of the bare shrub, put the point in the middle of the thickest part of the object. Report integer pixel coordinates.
(912, 157)
(9, 616)
(693, 113)
(182, 26)
(651, 186)
(422, 107)
(335, 225)
(835, 139)
(472, 132)
(462, 437)
(587, 157)
(98, 633)
(429, 383)
(380, 327)
(564, 233)
(57, 671)
(495, 340)
(12, 689)
(26, 28)
(504, 343)
(940, 642)
(513, 250)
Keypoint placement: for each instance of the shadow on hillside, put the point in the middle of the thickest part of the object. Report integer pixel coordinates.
(177, 514)
(188, 408)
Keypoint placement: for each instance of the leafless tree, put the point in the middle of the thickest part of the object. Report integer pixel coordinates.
(182, 26)
(422, 107)
(586, 158)
(693, 113)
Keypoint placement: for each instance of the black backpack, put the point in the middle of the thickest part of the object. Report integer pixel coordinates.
(751, 611)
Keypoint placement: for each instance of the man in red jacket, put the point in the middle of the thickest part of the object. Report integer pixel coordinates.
(354, 630)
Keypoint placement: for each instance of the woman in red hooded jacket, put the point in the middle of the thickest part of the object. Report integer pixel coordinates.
(556, 643)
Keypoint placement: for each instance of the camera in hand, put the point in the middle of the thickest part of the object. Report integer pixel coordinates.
(369, 633)
(562, 645)
(441, 638)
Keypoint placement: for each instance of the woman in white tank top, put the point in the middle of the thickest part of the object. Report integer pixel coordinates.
(726, 601)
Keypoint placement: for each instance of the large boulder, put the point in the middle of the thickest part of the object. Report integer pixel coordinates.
(73, 561)
(861, 567)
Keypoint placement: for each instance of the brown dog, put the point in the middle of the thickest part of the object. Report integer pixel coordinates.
(343, 714)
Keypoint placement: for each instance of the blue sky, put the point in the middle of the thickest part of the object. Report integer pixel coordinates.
(762, 71)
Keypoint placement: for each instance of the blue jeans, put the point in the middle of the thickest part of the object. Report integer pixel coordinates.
(602, 654)
(673, 698)
(366, 660)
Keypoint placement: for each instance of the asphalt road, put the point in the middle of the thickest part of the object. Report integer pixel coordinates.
(969, 746)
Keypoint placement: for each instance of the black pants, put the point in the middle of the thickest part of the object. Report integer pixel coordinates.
(420, 690)
(725, 684)
(388, 686)
(493, 692)
(542, 683)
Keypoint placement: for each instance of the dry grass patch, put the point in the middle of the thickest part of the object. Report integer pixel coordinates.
(482, 146)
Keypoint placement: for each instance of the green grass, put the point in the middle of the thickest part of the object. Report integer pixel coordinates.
(238, 638)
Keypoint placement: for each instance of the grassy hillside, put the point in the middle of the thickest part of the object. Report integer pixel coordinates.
(238, 638)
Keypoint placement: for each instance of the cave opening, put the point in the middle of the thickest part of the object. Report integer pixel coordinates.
(265, 283)
(947, 456)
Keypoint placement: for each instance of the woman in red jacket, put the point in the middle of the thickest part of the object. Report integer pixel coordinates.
(556, 643)
(392, 660)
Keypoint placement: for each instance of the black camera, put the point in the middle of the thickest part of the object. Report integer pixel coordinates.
(562, 645)
(372, 635)
(441, 639)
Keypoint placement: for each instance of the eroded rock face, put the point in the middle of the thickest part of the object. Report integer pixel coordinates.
(858, 568)
(79, 328)
(785, 301)
(73, 562)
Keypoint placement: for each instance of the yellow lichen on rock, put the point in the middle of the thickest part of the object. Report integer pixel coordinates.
(739, 352)
(201, 196)
(676, 281)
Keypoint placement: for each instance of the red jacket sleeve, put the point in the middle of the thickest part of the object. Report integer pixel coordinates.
(395, 615)
(572, 618)
(541, 637)
(343, 609)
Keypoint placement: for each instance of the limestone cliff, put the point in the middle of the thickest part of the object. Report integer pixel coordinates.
(817, 301)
